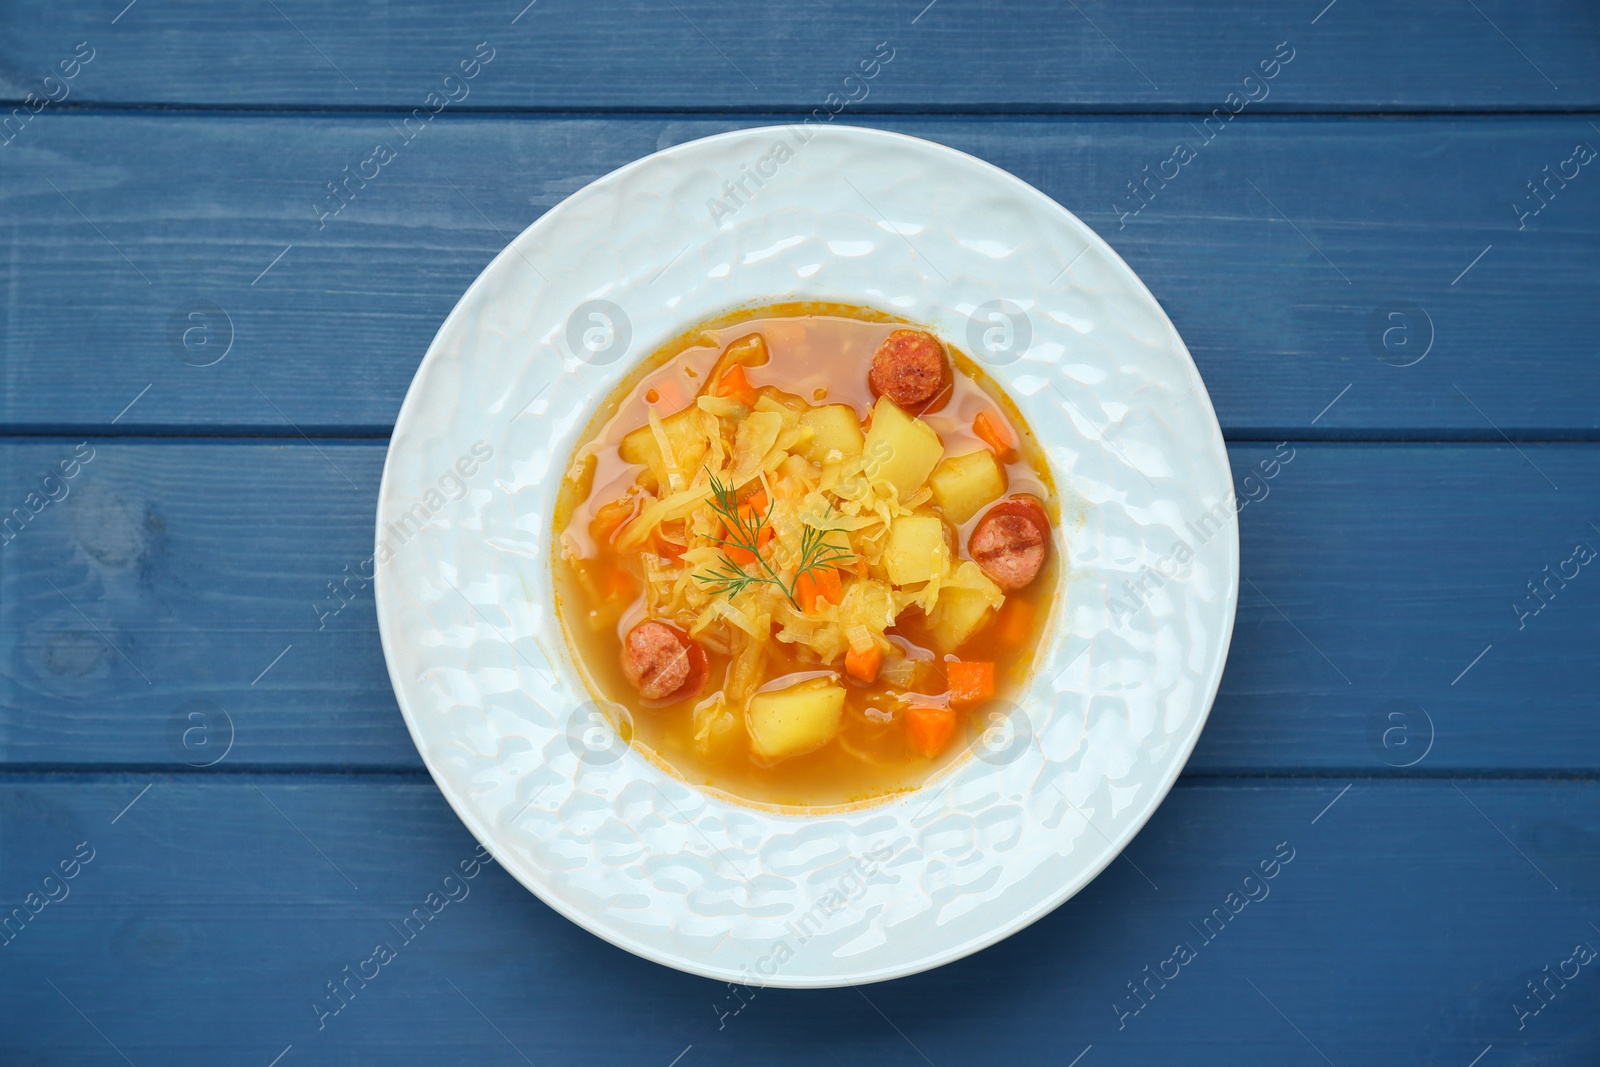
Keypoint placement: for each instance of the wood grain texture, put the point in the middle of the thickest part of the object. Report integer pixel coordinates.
(178, 572)
(694, 53)
(181, 689)
(1374, 580)
(214, 913)
(1373, 575)
(142, 246)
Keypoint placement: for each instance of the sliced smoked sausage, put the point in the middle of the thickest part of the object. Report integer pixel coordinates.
(909, 368)
(663, 662)
(1011, 542)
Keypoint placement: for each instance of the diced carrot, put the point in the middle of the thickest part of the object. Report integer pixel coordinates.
(930, 729)
(736, 386)
(805, 591)
(751, 512)
(992, 433)
(618, 584)
(818, 583)
(971, 681)
(863, 666)
(1015, 623)
(861, 566)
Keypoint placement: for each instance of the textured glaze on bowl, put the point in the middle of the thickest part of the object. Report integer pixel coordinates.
(485, 680)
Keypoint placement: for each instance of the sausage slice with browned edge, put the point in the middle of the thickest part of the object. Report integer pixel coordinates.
(663, 662)
(909, 368)
(1011, 542)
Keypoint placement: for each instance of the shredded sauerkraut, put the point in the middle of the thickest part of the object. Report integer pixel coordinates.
(725, 475)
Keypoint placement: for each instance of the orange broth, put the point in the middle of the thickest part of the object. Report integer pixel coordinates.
(819, 354)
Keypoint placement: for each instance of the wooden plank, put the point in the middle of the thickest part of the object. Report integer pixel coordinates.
(1375, 575)
(215, 911)
(694, 53)
(1281, 251)
(1374, 581)
(180, 577)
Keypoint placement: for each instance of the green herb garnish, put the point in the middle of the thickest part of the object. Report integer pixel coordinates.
(743, 528)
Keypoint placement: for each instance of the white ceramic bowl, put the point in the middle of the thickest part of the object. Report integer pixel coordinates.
(1123, 682)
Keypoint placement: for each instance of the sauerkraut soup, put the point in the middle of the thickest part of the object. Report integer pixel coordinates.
(806, 551)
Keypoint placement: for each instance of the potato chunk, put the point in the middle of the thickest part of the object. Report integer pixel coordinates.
(963, 484)
(917, 549)
(835, 428)
(793, 721)
(960, 614)
(967, 602)
(683, 437)
(899, 449)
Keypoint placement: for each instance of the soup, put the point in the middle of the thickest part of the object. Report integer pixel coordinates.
(807, 548)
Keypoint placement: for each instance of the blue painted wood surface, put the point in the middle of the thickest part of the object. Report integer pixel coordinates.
(1379, 614)
(1388, 639)
(205, 929)
(1280, 252)
(634, 54)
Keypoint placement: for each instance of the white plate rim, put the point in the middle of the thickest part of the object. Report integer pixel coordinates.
(1045, 904)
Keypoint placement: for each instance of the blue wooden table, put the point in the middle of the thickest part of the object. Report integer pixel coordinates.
(1381, 243)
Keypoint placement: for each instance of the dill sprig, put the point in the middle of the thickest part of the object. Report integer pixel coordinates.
(743, 527)
(816, 551)
(729, 578)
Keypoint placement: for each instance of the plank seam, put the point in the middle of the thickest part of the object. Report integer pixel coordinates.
(245, 435)
(795, 112)
(22, 772)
